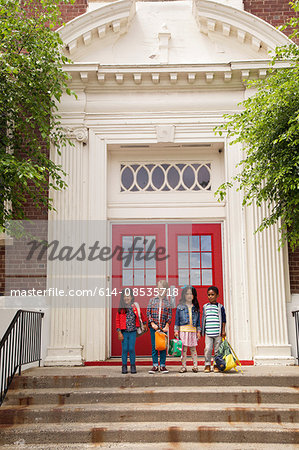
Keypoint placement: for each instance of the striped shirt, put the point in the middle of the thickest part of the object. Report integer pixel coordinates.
(212, 320)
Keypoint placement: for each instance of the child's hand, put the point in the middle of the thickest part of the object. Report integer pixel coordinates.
(223, 334)
(120, 336)
(198, 335)
(154, 326)
(176, 334)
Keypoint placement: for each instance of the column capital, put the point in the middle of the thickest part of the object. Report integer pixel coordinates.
(80, 134)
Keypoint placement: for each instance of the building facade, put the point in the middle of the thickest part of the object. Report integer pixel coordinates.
(152, 81)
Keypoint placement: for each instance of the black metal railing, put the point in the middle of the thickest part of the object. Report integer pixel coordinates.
(21, 344)
(296, 316)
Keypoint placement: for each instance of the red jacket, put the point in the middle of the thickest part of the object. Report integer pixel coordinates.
(121, 318)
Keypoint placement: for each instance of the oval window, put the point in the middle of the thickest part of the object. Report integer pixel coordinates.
(188, 177)
(127, 178)
(142, 177)
(203, 177)
(173, 177)
(158, 177)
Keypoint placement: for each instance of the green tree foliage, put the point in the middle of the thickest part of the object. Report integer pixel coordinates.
(268, 127)
(32, 81)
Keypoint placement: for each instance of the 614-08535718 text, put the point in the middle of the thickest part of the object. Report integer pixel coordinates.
(56, 292)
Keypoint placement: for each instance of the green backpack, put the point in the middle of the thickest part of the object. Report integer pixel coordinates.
(175, 347)
(226, 359)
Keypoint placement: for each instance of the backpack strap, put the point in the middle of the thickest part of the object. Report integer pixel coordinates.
(139, 313)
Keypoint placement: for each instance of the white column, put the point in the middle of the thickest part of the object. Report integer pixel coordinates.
(236, 301)
(67, 227)
(268, 292)
(95, 317)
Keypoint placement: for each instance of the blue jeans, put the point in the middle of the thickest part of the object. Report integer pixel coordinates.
(155, 352)
(128, 345)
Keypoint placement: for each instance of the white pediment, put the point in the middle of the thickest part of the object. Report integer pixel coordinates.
(108, 20)
(181, 32)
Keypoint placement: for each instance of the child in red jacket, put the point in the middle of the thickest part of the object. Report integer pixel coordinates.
(127, 322)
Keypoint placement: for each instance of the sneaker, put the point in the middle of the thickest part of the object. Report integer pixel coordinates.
(163, 369)
(195, 369)
(124, 369)
(133, 368)
(216, 370)
(183, 370)
(207, 369)
(154, 369)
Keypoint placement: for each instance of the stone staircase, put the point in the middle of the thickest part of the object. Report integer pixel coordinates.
(62, 408)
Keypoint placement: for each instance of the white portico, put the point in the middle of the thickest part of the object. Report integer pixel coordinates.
(152, 81)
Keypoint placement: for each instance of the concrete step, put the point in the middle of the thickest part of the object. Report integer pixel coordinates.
(157, 412)
(145, 380)
(142, 432)
(158, 446)
(157, 394)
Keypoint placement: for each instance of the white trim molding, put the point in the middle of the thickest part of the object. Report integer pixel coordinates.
(166, 76)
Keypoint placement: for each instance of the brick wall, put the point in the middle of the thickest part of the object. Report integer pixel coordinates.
(23, 270)
(2, 269)
(294, 271)
(69, 12)
(275, 12)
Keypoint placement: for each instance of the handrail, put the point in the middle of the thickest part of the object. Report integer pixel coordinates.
(21, 344)
(296, 316)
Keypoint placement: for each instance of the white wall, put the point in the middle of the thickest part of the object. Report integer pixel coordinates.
(10, 305)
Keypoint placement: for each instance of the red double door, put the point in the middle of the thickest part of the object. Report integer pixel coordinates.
(184, 254)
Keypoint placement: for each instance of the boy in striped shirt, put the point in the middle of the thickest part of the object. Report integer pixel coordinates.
(213, 326)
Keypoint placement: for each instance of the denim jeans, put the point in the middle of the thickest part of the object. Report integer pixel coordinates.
(210, 342)
(128, 345)
(155, 352)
